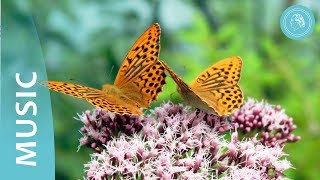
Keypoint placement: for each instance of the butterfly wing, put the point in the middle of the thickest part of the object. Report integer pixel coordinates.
(217, 85)
(141, 76)
(222, 101)
(94, 96)
(222, 74)
(188, 95)
(182, 86)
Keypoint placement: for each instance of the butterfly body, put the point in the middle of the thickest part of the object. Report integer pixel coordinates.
(138, 82)
(216, 89)
(114, 93)
(111, 89)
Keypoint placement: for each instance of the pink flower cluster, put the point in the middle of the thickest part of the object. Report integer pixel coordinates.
(101, 126)
(271, 122)
(178, 143)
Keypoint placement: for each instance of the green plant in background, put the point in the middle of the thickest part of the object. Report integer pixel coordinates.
(84, 40)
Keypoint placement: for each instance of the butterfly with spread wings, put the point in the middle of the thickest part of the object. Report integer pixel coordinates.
(138, 82)
(216, 89)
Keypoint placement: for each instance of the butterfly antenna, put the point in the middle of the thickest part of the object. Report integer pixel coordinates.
(109, 75)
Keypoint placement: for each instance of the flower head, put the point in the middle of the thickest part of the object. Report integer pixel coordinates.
(100, 126)
(178, 143)
(274, 125)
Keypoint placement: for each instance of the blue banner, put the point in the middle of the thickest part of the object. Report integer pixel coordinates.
(26, 125)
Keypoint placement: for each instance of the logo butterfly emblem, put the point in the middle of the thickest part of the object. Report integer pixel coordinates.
(216, 89)
(138, 82)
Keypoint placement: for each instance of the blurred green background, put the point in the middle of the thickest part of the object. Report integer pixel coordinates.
(87, 40)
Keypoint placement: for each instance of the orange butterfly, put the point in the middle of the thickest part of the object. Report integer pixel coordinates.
(216, 89)
(138, 82)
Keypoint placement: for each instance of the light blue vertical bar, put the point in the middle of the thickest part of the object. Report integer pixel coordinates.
(21, 53)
